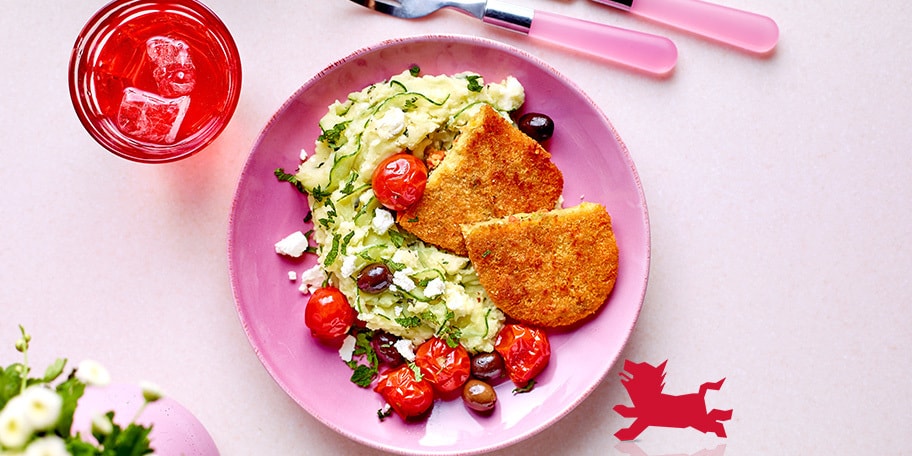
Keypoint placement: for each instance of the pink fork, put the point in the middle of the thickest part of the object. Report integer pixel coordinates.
(646, 52)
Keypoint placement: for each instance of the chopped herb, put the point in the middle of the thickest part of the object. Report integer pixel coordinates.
(348, 237)
(409, 322)
(414, 70)
(416, 370)
(449, 333)
(333, 136)
(474, 85)
(396, 237)
(282, 176)
(410, 104)
(385, 412)
(413, 219)
(333, 251)
(363, 374)
(350, 184)
(308, 217)
(525, 389)
(486, 254)
(319, 194)
(395, 266)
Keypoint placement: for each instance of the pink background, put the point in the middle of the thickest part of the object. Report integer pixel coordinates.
(778, 192)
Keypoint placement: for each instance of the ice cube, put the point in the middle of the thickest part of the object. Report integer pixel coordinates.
(150, 117)
(173, 69)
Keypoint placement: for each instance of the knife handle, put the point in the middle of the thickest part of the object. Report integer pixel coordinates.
(742, 29)
(651, 53)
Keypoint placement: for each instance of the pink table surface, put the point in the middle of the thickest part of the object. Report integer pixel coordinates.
(778, 192)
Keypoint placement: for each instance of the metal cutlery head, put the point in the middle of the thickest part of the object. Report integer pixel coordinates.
(405, 9)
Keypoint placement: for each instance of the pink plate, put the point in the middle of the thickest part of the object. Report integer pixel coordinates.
(596, 167)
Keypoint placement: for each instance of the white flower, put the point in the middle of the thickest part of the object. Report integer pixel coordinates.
(47, 446)
(42, 407)
(101, 424)
(15, 428)
(92, 373)
(150, 391)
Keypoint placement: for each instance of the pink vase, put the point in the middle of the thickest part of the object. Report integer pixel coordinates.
(175, 430)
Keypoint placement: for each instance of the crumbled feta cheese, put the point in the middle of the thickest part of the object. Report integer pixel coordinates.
(366, 196)
(312, 279)
(348, 348)
(456, 302)
(434, 288)
(293, 245)
(292, 275)
(402, 280)
(404, 347)
(348, 265)
(383, 220)
(391, 124)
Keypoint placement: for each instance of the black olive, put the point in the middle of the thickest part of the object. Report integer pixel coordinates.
(374, 278)
(488, 366)
(538, 126)
(383, 344)
(479, 396)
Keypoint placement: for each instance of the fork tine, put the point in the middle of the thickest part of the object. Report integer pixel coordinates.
(393, 9)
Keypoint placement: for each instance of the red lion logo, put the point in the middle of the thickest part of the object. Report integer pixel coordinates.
(644, 384)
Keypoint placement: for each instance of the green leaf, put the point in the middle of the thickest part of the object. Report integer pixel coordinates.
(409, 322)
(78, 447)
(54, 370)
(414, 70)
(396, 237)
(363, 375)
(10, 383)
(70, 391)
(474, 85)
(333, 137)
(333, 251)
(282, 176)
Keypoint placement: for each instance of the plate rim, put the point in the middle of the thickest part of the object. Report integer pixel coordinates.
(439, 38)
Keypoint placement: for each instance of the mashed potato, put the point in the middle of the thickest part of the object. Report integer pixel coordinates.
(433, 292)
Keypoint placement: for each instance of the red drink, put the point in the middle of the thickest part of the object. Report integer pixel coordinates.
(155, 81)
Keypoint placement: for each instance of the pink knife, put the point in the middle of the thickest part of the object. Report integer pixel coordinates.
(742, 29)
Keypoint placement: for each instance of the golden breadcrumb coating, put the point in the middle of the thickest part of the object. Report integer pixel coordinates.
(548, 269)
(492, 170)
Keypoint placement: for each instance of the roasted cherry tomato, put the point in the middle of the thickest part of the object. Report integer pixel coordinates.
(399, 181)
(447, 368)
(328, 314)
(407, 395)
(525, 350)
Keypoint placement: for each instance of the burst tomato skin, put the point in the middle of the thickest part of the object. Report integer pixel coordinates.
(446, 368)
(399, 181)
(525, 350)
(408, 396)
(328, 314)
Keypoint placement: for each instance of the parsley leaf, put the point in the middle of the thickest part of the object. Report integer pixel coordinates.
(474, 85)
(409, 322)
(333, 137)
(282, 176)
(414, 70)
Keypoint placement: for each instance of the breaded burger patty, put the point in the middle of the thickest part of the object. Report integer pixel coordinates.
(547, 269)
(492, 170)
